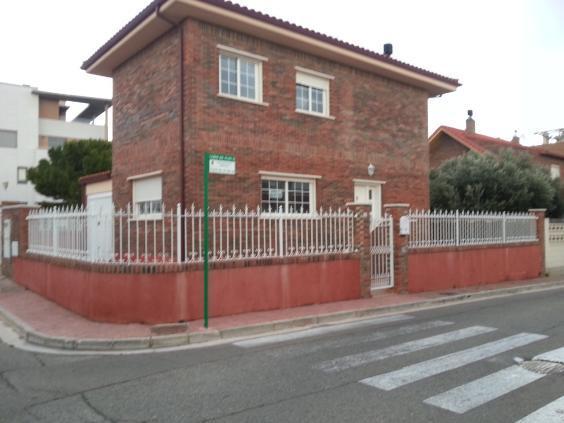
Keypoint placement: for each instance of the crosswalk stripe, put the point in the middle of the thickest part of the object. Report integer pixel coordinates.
(556, 356)
(354, 360)
(550, 413)
(480, 391)
(435, 366)
(294, 350)
(274, 339)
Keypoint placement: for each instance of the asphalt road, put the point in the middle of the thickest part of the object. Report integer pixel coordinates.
(450, 364)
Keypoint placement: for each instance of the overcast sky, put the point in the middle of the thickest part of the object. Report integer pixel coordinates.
(509, 55)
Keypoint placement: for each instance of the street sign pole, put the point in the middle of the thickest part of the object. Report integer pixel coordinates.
(221, 164)
(206, 232)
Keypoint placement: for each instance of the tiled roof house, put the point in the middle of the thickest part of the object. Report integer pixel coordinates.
(312, 121)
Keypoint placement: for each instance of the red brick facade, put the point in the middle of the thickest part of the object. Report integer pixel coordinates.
(146, 119)
(444, 149)
(377, 121)
(18, 233)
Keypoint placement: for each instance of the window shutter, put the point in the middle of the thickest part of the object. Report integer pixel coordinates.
(147, 189)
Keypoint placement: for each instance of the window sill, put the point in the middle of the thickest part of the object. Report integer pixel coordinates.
(303, 112)
(148, 217)
(244, 100)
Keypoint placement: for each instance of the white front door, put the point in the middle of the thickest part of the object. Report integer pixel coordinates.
(100, 228)
(369, 193)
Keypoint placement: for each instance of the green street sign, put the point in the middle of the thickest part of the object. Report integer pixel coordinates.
(221, 164)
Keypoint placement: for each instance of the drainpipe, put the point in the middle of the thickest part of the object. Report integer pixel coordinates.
(106, 131)
(180, 28)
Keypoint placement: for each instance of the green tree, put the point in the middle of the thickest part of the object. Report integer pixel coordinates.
(58, 176)
(506, 182)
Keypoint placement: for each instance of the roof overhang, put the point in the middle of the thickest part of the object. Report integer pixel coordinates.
(152, 26)
(95, 105)
(95, 177)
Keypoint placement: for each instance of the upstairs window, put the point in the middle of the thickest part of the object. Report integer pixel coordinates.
(53, 142)
(240, 75)
(8, 139)
(312, 92)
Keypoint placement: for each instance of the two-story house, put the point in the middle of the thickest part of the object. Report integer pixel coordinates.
(31, 122)
(312, 121)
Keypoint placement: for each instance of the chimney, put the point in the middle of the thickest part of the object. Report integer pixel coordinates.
(388, 49)
(515, 139)
(470, 123)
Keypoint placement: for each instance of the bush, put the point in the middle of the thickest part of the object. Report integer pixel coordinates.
(506, 182)
(58, 176)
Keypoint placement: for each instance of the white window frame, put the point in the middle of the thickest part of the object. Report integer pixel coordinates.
(274, 176)
(313, 79)
(20, 180)
(146, 198)
(253, 58)
(554, 171)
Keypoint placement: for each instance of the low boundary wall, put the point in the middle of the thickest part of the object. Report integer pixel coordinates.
(459, 267)
(172, 296)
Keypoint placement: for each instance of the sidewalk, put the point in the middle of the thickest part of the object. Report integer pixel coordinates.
(46, 324)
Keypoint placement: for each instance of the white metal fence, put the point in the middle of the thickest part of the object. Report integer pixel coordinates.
(176, 236)
(447, 229)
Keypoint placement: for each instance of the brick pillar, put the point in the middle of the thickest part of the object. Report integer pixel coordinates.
(18, 223)
(362, 245)
(401, 252)
(540, 214)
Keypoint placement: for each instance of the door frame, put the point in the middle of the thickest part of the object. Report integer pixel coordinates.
(369, 183)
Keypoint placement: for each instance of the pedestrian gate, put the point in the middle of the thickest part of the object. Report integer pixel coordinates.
(382, 252)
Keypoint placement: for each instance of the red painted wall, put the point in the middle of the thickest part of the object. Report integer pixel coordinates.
(178, 296)
(437, 269)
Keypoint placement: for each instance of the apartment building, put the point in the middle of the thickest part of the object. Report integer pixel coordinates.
(31, 122)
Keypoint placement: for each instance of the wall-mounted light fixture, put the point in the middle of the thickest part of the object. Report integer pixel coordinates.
(371, 169)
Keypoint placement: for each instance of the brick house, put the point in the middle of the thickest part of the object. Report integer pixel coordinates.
(447, 143)
(312, 121)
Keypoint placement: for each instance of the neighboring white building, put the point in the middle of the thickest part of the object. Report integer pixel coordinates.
(31, 122)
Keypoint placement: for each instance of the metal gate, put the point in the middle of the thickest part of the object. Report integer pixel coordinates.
(382, 253)
(100, 227)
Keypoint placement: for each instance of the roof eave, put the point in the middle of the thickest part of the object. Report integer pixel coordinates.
(445, 130)
(151, 27)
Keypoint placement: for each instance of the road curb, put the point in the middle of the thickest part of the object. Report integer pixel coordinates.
(166, 341)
